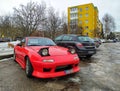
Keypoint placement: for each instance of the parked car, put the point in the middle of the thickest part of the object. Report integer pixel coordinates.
(42, 58)
(84, 45)
(114, 40)
(109, 41)
(5, 39)
(103, 40)
(97, 42)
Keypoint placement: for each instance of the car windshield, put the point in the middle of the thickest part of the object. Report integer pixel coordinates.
(85, 39)
(40, 42)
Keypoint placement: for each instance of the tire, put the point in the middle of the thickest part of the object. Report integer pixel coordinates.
(29, 68)
(14, 56)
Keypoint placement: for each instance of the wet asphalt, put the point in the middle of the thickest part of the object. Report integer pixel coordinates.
(100, 73)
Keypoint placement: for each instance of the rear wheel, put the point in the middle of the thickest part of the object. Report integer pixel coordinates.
(29, 68)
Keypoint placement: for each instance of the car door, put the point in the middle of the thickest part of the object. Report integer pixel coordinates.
(69, 41)
(64, 42)
(20, 52)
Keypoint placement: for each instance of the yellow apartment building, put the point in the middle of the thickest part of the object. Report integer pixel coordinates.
(84, 20)
(99, 29)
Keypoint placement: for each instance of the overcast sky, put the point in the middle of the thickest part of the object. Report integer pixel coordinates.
(111, 7)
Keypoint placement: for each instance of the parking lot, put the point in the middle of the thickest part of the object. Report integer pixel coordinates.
(100, 73)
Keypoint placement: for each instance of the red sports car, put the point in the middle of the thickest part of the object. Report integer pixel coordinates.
(40, 57)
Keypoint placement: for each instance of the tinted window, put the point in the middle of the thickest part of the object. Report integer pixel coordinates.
(40, 42)
(73, 38)
(66, 38)
(59, 38)
(84, 39)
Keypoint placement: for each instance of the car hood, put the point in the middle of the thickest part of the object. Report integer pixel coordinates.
(53, 50)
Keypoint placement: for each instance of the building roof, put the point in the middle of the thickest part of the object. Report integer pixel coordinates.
(82, 5)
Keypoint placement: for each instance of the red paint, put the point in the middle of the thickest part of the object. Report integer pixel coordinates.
(60, 55)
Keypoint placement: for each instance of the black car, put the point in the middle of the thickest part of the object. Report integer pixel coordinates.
(84, 45)
(97, 42)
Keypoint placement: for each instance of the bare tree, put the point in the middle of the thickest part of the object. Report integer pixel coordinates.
(53, 22)
(108, 23)
(64, 24)
(75, 28)
(6, 26)
(29, 18)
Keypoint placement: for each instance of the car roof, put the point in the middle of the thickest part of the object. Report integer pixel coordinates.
(76, 35)
(36, 37)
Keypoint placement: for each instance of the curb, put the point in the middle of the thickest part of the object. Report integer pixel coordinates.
(6, 56)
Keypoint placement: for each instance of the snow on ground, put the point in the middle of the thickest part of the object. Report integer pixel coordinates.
(100, 73)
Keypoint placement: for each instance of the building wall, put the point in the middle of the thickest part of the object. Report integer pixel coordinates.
(100, 29)
(85, 16)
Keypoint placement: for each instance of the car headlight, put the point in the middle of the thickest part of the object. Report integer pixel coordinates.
(72, 50)
(44, 52)
(48, 60)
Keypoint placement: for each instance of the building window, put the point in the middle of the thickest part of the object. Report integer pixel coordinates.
(86, 21)
(74, 16)
(86, 8)
(86, 27)
(73, 21)
(80, 15)
(80, 9)
(86, 14)
(73, 10)
(80, 22)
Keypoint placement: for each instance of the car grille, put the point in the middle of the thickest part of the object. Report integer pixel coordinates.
(62, 68)
(90, 47)
(46, 69)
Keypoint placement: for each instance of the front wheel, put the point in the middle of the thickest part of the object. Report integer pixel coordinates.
(14, 56)
(29, 68)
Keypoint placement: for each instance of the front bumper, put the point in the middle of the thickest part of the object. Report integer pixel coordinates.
(54, 74)
(86, 52)
(55, 69)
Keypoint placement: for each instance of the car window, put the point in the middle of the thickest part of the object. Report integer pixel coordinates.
(59, 38)
(73, 38)
(84, 39)
(40, 42)
(66, 38)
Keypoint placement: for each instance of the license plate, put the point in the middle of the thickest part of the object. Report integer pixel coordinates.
(68, 71)
(90, 51)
